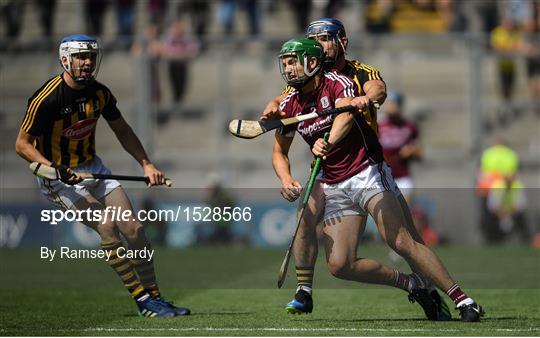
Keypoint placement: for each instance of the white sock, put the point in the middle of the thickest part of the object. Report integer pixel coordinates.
(305, 288)
(143, 298)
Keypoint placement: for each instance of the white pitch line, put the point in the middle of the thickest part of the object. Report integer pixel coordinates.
(283, 329)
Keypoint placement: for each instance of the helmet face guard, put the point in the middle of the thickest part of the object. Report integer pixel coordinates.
(300, 51)
(74, 53)
(326, 29)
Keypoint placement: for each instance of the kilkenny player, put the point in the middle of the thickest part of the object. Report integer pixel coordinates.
(58, 130)
(356, 181)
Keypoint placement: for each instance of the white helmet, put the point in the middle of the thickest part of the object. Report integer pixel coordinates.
(77, 44)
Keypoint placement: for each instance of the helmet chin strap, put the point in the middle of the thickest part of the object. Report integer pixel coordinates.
(342, 46)
(79, 80)
(307, 72)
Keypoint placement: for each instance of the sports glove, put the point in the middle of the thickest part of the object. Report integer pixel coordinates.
(63, 173)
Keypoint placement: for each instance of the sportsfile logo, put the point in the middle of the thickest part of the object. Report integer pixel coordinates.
(109, 214)
(118, 214)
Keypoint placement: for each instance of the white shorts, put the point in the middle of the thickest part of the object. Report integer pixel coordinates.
(65, 195)
(405, 184)
(349, 198)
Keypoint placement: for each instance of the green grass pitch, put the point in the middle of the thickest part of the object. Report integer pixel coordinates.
(232, 292)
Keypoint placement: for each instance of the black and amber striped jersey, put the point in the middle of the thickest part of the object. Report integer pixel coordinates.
(64, 119)
(360, 73)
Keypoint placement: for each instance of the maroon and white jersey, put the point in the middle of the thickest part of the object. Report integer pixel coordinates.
(358, 149)
(393, 136)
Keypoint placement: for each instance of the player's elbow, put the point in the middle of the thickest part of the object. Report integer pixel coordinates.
(344, 122)
(20, 146)
(382, 95)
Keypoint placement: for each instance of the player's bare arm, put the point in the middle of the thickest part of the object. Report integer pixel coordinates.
(290, 188)
(24, 146)
(133, 146)
(375, 91)
(271, 111)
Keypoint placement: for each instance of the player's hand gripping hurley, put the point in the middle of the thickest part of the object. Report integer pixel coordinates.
(251, 129)
(51, 173)
(287, 258)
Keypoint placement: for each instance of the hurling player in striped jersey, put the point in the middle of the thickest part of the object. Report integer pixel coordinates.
(59, 130)
(331, 34)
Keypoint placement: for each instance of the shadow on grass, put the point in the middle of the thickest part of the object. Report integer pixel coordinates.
(199, 314)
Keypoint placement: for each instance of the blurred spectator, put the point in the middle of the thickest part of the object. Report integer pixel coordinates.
(333, 7)
(505, 41)
(157, 10)
(199, 14)
(302, 11)
(507, 201)
(227, 12)
(399, 138)
(427, 5)
(452, 13)
(125, 16)
(497, 162)
(178, 49)
(46, 15)
(437, 16)
(531, 49)
(94, 11)
(12, 12)
(488, 14)
(149, 46)
(379, 14)
(518, 11)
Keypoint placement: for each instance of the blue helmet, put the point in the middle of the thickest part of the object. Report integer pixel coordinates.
(79, 44)
(325, 29)
(332, 27)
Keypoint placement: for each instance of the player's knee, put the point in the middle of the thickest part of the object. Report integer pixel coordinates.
(134, 231)
(339, 268)
(107, 231)
(402, 243)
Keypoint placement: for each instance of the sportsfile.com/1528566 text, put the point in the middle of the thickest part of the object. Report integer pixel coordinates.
(117, 214)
